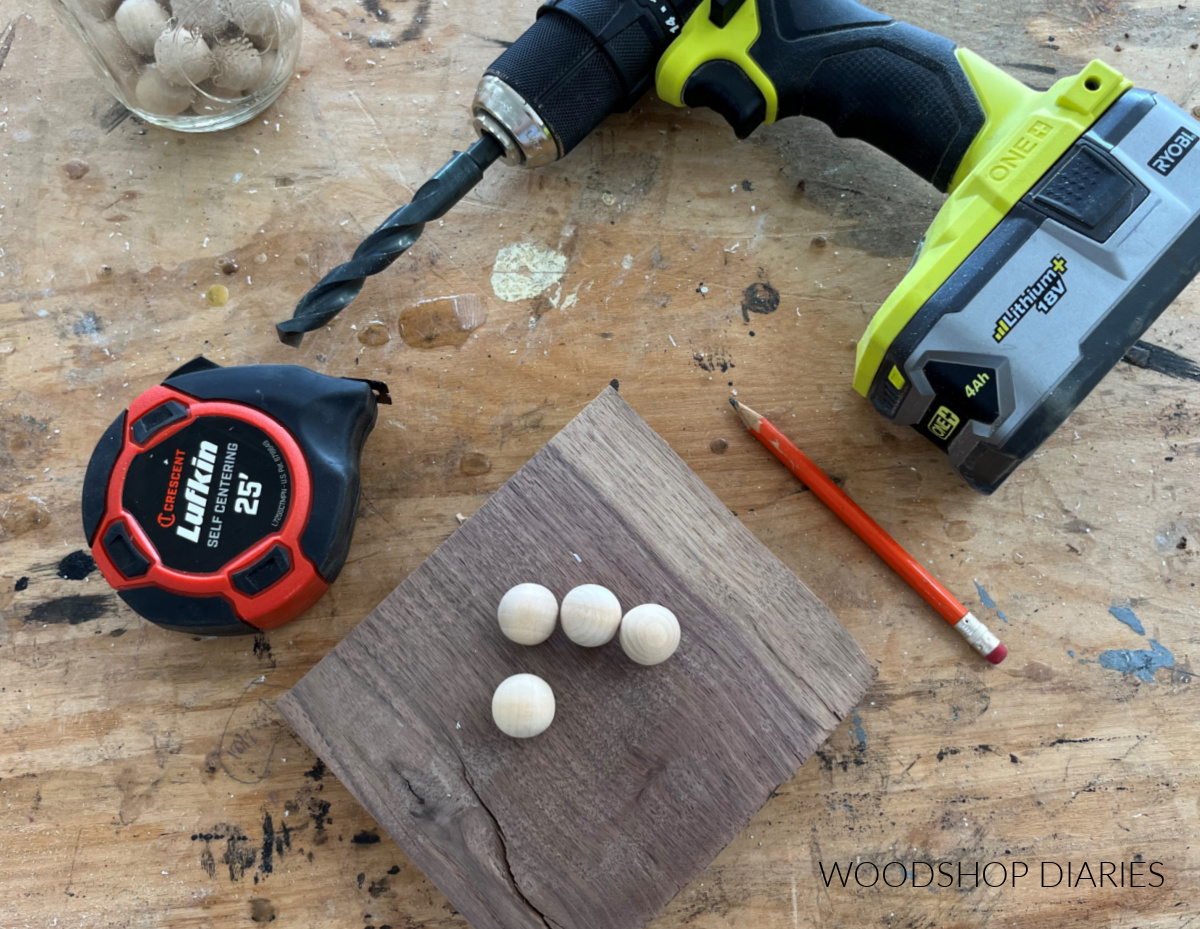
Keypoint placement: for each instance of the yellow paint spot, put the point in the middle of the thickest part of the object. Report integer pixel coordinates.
(218, 295)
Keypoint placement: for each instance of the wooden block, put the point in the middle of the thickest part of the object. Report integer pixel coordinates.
(646, 773)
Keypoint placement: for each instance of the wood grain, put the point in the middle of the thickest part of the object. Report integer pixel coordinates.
(646, 774)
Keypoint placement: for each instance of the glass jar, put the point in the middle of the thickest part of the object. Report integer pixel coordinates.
(191, 65)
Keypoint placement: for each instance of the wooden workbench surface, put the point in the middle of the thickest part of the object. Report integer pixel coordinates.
(146, 779)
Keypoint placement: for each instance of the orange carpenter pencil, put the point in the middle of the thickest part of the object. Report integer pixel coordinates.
(924, 583)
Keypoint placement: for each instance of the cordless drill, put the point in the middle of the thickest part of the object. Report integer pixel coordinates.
(1073, 218)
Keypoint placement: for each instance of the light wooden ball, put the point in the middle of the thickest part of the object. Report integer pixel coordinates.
(207, 16)
(183, 57)
(236, 66)
(649, 634)
(523, 706)
(269, 61)
(161, 97)
(590, 615)
(141, 22)
(528, 614)
(255, 17)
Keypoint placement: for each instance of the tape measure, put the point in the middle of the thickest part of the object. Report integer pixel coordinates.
(223, 501)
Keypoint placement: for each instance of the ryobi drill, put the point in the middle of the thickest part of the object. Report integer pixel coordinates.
(1073, 219)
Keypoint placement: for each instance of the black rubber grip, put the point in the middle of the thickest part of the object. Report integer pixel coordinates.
(867, 77)
(585, 59)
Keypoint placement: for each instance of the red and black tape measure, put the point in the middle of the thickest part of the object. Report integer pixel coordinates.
(223, 501)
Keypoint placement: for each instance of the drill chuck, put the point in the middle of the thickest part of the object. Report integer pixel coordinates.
(502, 113)
(581, 61)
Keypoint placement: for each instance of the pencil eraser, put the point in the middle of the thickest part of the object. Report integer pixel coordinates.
(998, 654)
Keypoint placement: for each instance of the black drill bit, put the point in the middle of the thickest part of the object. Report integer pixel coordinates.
(391, 240)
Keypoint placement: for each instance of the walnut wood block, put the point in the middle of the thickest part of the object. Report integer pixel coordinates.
(646, 773)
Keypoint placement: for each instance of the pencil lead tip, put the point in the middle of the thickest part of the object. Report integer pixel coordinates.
(733, 402)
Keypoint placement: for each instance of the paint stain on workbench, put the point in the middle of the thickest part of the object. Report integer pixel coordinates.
(262, 647)
(217, 295)
(525, 269)
(319, 811)
(262, 910)
(75, 169)
(473, 464)
(22, 584)
(759, 298)
(860, 735)
(1124, 614)
(88, 324)
(986, 599)
(440, 322)
(73, 610)
(1163, 361)
(76, 566)
(317, 772)
(1142, 664)
(717, 360)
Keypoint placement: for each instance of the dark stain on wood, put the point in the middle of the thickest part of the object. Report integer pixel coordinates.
(628, 796)
(319, 811)
(114, 116)
(239, 855)
(267, 861)
(72, 610)
(316, 772)
(377, 12)
(366, 837)
(262, 910)
(262, 647)
(1163, 361)
(760, 298)
(76, 566)
(22, 584)
(416, 27)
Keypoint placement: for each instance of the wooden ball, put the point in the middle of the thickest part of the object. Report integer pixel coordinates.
(523, 706)
(141, 22)
(269, 61)
(161, 97)
(528, 614)
(649, 634)
(236, 66)
(255, 17)
(590, 615)
(183, 57)
(206, 16)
